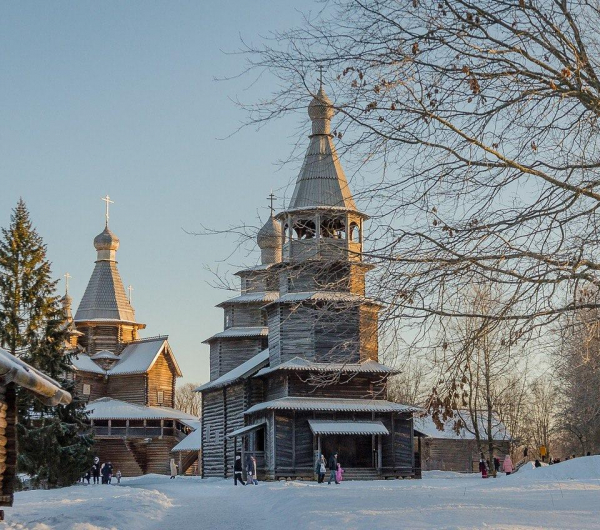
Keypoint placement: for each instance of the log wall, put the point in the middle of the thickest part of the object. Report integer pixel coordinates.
(131, 388)
(213, 434)
(8, 443)
(161, 378)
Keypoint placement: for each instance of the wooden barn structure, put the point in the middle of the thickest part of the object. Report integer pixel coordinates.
(129, 381)
(452, 450)
(13, 373)
(295, 373)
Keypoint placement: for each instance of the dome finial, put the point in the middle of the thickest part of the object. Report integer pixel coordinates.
(320, 111)
(108, 202)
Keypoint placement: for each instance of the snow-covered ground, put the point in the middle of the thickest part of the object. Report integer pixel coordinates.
(565, 496)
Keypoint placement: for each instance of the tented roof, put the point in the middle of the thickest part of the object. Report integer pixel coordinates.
(115, 409)
(332, 405)
(248, 368)
(347, 427)
(426, 426)
(105, 297)
(192, 442)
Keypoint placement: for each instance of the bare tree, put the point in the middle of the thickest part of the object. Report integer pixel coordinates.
(477, 369)
(187, 400)
(482, 121)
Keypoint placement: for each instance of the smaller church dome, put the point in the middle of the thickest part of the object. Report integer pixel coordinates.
(269, 236)
(106, 240)
(321, 108)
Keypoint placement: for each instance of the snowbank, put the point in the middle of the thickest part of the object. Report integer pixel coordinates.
(583, 468)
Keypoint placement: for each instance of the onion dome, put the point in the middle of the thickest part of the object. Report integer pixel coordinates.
(269, 241)
(320, 111)
(106, 240)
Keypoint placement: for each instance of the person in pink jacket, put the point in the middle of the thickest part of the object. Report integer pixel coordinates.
(508, 465)
(339, 473)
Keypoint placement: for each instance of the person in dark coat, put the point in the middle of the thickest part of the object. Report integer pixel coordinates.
(333, 462)
(537, 463)
(321, 469)
(483, 468)
(237, 471)
(496, 464)
(96, 470)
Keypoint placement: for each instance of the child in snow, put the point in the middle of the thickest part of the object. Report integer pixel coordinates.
(321, 469)
(173, 468)
(339, 473)
(508, 465)
(483, 468)
(118, 475)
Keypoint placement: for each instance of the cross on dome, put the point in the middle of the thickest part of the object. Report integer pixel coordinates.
(108, 202)
(67, 278)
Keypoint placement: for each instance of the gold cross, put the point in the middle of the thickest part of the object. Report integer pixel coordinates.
(129, 288)
(108, 202)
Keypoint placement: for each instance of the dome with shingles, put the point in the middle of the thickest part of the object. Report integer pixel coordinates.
(269, 236)
(106, 240)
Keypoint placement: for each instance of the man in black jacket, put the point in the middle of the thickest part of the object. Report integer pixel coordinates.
(237, 471)
(332, 468)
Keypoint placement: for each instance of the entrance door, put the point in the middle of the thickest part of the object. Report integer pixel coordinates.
(353, 451)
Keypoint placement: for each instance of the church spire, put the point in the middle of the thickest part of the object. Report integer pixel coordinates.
(105, 297)
(321, 182)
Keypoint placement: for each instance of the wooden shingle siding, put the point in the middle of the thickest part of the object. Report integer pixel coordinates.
(160, 378)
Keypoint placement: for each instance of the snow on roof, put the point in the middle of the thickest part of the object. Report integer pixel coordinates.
(347, 427)
(255, 268)
(250, 331)
(137, 358)
(115, 409)
(243, 370)
(299, 363)
(192, 442)
(426, 426)
(105, 354)
(332, 404)
(46, 389)
(324, 296)
(246, 298)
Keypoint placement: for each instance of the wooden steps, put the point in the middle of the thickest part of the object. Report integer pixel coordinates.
(136, 456)
(358, 473)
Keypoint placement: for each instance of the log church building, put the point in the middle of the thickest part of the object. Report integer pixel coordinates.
(128, 381)
(295, 373)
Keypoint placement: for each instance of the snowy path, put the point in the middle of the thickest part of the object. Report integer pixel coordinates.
(565, 496)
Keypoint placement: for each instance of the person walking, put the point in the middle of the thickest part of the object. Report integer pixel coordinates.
(483, 468)
(497, 464)
(321, 469)
(96, 470)
(339, 473)
(251, 470)
(508, 465)
(109, 473)
(118, 475)
(333, 468)
(237, 471)
(173, 468)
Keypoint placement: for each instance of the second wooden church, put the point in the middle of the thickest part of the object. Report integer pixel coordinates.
(295, 373)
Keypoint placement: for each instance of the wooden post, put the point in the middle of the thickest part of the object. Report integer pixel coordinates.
(162, 428)
(126, 428)
(109, 427)
(379, 455)
(179, 469)
(145, 427)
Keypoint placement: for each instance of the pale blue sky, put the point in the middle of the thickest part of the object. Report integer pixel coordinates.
(119, 98)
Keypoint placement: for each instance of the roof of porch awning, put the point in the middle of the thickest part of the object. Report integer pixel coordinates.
(247, 429)
(347, 427)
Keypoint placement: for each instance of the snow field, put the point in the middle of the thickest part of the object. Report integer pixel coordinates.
(564, 496)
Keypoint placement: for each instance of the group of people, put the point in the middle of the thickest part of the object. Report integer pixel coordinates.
(104, 470)
(336, 471)
(484, 465)
(250, 470)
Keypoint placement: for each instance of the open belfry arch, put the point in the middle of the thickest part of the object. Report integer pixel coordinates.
(296, 372)
(128, 381)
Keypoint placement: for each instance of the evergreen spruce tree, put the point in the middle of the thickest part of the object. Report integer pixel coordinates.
(54, 442)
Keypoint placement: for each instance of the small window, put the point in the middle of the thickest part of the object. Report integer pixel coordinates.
(87, 390)
(161, 397)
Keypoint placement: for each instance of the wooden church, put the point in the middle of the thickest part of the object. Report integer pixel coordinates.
(295, 372)
(128, 381)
